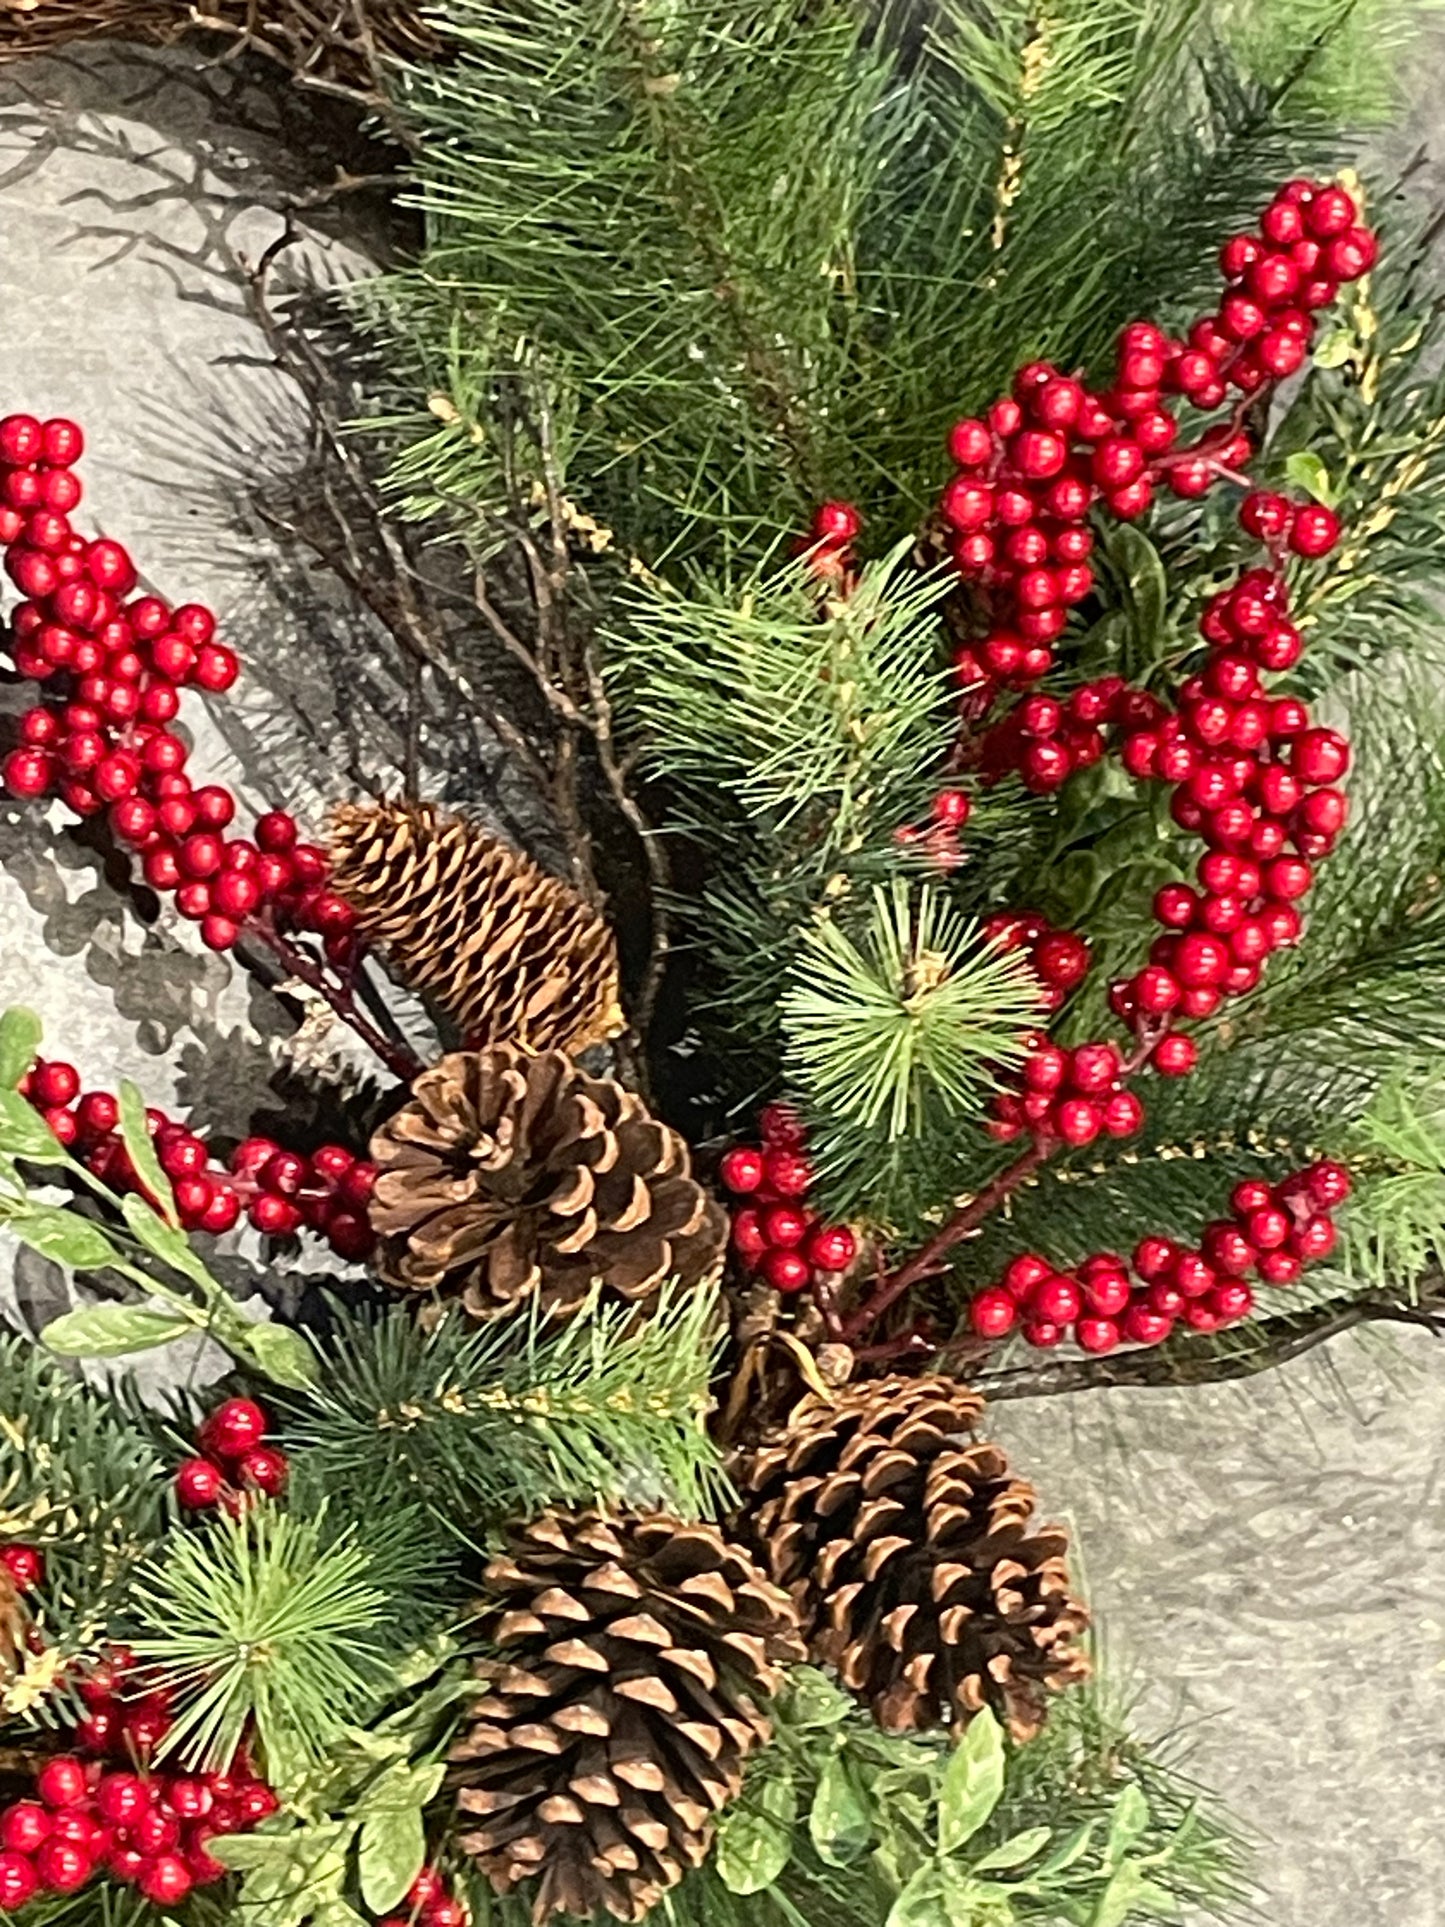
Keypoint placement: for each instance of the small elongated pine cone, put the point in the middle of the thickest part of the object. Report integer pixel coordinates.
(614, 1723)
(509, 1178)
(906, 1544)
(512, 955)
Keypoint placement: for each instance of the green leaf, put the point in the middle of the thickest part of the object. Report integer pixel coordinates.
(137, 1139)
(1071, 1848)
(1148, 584)
(111, 1331)
(63, 1236)
(282, 1354)
(1129, 1822)
(389, 1856)
(1334, 349)
(166, 1242)
(755, 1839)
(242, 1852)
(1130, 1891)
(25, 1134)
(972, 1782)
(1305, 470)
(917, 1905)
(1016, 1850)
(840, 1822)
(813, 1700)
(20, 1034)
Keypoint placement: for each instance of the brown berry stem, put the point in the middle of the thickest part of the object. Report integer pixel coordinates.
(398, 1060)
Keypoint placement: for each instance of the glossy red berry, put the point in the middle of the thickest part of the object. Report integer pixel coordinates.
(264, 1468)
(1175, 1056)
(787, 1271)
(166, 1880)
(993, 1313)
(1097, 1334)
(832, 1248)
(61, 1782)
(836, 523)
(24, 1826)
(1315, 530)
(19, 1881)
(199, 1483)
(234, 1428)
(741, 1169)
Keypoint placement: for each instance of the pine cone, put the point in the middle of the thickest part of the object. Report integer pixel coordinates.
(509, 1178)
(616, 1722)
(905, 1543)
(511, 954)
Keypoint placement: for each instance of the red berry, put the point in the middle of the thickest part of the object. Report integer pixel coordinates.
(1228, 1249)
(952, 807)
(233, 1428)
(166, 1880)
(1314, 1239)
(1094, 1068)
(992, 1313)
(1175, 905)
(61, 1782)
(121, 1798)
(1175, 1056)
(19, 1881)
(786, 1271)
(747, 1235)
(264, 1468)
(1266, 1227)
(1061, 958)
(1024, 1272)
(198, 1483)
(969, 443)
(784, 1225)
(1078, 1120)
(25, 1826)
(1123, 1114)
(1319, 756)
(1200, 959)
(1230, 1300)
(1315, 530)
(836, 523)
(832, 1248)
(1287, 878)
(1056, 1299)
(1106, 1292)
(1097, 1334)
(1279, 1267)
(790, 1174)
(1144, 1326)
(28, 772)
(741, 1169)
(1328, 1184)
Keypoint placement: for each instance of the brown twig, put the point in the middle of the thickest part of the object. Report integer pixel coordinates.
(398, 1060)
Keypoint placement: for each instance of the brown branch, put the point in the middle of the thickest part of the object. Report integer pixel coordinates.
(399, 1061)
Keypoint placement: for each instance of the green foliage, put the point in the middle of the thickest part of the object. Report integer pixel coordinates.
(481, 1423)
(1394, 1225)
(755, 261)
(919, 1010)
(275, 1621)
(150, 1245)
(839, 1823)
(82, 1481)
(896, 1024)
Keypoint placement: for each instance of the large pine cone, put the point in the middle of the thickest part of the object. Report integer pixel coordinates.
(616, 1722)
(509, 1178)
(905, 1542)
(511, 954)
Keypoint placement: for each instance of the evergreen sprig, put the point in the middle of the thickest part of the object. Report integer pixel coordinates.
(915, 1010)
(271, 1621)
(81, 1479)
(480, 1423)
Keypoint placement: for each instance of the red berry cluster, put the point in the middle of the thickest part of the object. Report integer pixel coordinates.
(145, 1828)
(1275, 1231)
(103, 739)
(149, 1830)
(1060, 958)
(327, 1192)
(280, 1191)
(1030, 472)
(429, 1902)
(774, 1233)
(233, 1462)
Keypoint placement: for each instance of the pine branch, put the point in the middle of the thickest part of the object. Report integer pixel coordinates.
(273, 1622)
(82, 1480)
(477, 1424)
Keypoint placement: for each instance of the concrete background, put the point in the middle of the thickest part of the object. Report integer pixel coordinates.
(1266, 1560)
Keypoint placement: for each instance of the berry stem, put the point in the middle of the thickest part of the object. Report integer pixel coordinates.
(399, 1061)
(928, 1260)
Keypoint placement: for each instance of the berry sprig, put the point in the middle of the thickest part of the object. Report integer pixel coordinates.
(280, 1191)
(1043, 458)
(1274, 1232)
(234, 1462)
(147, 1829)
(116, 664)
(774, 1234)
(829, 542)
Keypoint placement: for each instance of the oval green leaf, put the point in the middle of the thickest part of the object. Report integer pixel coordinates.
(840, 1822)
(389, 1856)
(278, 1351)
(755, 1838)
(25, 1134)
(136, 1136)
(63, 1236)
(972, 1782)
(112, 1331)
